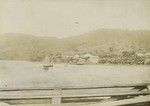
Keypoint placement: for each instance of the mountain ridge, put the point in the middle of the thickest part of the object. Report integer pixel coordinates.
(101, 41)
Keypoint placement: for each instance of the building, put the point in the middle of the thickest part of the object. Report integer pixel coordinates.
(91, 58)
(139, 54)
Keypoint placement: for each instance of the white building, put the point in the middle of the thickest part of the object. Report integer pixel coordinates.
(91, 58)
(77, 56)
(140, 54)
(94, 59)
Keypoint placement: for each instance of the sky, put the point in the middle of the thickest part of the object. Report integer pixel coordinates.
(64, 18)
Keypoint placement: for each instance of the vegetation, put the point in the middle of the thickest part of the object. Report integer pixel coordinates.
(111, 45)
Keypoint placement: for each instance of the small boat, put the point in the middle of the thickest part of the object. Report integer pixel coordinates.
(46, 67)
(47, 63)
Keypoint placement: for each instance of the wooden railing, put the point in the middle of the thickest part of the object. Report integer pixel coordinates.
(56, 94)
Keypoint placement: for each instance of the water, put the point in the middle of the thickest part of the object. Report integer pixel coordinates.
(22, 74)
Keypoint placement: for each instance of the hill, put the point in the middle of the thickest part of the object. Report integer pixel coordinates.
(26, 47)
(102, 41)
(111, 40)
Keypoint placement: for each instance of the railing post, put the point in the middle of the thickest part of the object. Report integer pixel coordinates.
(56, 99)
(148, 87)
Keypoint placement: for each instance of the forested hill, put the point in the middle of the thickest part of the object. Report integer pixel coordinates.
(102, 41)
(26, 47)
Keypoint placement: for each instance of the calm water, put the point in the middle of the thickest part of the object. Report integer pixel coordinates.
(22, 74)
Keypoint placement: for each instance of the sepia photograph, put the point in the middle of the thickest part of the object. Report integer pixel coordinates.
(74, 52)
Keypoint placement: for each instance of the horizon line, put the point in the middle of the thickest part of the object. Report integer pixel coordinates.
(48, 35)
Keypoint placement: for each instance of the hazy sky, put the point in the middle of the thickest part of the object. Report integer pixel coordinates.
(62, 18)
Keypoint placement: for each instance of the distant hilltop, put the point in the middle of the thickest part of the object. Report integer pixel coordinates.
(102, 41)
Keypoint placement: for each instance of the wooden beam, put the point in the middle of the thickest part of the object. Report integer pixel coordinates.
(140, 99)
(77, 87)
(60, 93)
